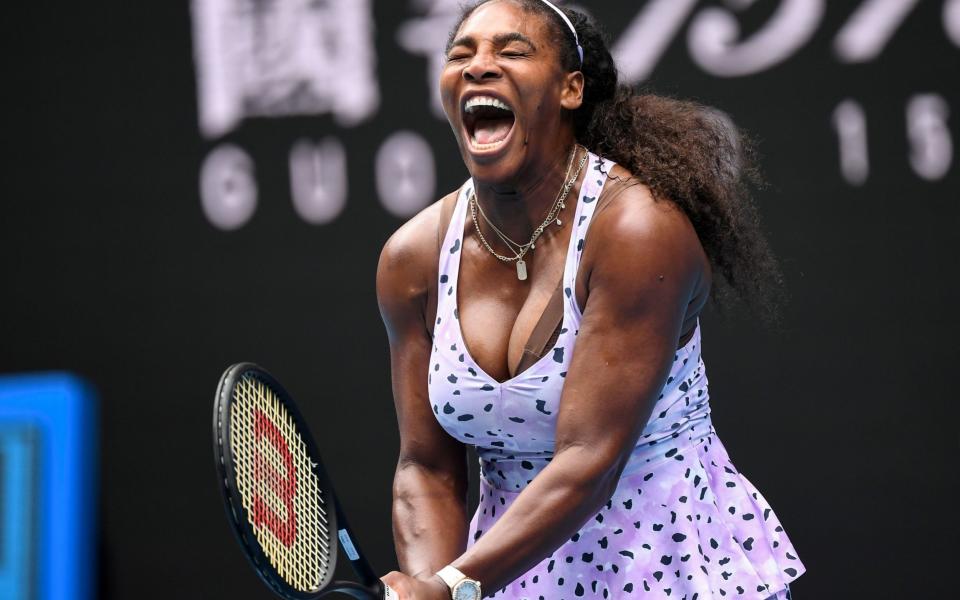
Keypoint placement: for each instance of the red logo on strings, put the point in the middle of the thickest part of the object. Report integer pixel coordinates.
(283, 485)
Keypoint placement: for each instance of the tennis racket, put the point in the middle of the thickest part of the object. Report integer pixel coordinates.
(278, 497)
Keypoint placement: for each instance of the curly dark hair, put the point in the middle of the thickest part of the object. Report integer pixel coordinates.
(683, 151)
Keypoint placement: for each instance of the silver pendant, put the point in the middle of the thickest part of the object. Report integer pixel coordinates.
(521, 270)
(559, 222)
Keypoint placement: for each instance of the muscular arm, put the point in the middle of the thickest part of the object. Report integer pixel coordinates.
(429, 488)
(643, 260)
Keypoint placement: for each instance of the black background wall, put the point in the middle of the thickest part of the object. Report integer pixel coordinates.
(845, 419)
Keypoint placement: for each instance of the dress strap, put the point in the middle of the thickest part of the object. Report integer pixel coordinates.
(449, 265)
(590, 190)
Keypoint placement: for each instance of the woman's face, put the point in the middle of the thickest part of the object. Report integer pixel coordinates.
(503, 91)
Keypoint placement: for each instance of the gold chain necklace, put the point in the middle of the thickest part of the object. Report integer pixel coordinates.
(558, 205)
(515, 246)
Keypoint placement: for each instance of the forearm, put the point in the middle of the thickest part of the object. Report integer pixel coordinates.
(554, 506)
(429, 520)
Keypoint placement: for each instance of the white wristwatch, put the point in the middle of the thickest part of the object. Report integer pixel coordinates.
(461, 586)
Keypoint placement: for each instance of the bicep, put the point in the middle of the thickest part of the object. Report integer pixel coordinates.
(644, 275)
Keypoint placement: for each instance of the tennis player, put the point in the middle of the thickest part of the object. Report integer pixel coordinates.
(547, 314)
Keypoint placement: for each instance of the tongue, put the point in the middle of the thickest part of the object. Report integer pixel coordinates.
(489, 131)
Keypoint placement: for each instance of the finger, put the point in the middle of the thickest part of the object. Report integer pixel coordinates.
(394, 588)
(390, 594)
(392, 577)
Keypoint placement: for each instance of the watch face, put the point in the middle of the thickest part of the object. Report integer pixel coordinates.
(467, 590)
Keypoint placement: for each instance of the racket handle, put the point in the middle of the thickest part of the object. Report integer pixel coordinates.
(388, 593)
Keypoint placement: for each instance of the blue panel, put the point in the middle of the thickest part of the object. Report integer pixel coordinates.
(47, 487)
(19, 496)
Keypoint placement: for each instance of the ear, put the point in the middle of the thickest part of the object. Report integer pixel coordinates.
(571, 94)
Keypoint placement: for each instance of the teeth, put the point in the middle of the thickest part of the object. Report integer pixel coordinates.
(484, 101)
(482, 147)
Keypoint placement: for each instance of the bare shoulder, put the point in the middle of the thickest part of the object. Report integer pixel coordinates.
(637, 235)
(408, 259)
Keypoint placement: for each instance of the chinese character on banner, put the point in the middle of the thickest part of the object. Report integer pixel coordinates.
(275, 58)
(427, 36)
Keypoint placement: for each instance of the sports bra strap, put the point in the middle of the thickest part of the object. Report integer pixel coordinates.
(544, 332)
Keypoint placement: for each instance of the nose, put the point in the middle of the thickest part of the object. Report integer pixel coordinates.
(481, 67)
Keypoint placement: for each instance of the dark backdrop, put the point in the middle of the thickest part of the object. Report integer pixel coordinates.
(845, 419)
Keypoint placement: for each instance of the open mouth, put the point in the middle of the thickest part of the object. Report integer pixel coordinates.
(488, 122)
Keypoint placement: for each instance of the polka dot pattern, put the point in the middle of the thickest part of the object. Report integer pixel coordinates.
(682, 524)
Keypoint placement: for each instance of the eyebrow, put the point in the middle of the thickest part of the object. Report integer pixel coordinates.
(501, 39)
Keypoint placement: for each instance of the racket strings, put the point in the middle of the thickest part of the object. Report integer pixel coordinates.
(280, 492)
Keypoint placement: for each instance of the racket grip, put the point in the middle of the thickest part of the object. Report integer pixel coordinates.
(388, 593)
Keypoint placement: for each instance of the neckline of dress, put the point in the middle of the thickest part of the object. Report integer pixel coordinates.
(571, 244)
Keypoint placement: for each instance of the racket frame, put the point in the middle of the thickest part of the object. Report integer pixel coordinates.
(371, 586)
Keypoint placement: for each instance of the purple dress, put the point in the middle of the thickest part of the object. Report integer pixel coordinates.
(683, 523)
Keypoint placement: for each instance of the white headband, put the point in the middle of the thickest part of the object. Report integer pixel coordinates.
(573, 30)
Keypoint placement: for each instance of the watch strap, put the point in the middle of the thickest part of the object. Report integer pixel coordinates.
(461, 586)
(451, 576)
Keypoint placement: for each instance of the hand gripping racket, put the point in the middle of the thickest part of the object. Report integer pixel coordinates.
(278, 497)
